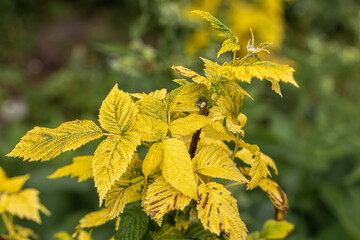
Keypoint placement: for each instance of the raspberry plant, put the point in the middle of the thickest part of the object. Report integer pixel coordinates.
(175, 192)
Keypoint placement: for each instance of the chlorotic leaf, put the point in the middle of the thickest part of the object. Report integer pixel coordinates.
(158, 94)
(189, 124)
(188, 94)
(197, 231)
(277, 197)
(258, 171)
(276, 229)
(46, 143)
(134, 223)
(151, 122)
(62, 236)
(211, 71)
(111, 160)
(94, 219)
(83, 235)
(248, 157)
(80, 167)
(152, 158)
(162, 198)
(191, 74)
(153, 107)
(118, 112)
(177, 167)
(22, 233)
(11, 185)
(212, 161)
(218, 212)
(24, 204)
(229, 45)
(117, 197)
(150, 129)
(167, 232)
(216, 24)
(243, 71)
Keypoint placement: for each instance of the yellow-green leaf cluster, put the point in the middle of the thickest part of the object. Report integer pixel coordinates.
(112, 157)
(21, 203)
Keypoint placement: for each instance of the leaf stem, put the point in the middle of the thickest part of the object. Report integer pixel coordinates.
(196, 136)
(8, 223)
(234, 185)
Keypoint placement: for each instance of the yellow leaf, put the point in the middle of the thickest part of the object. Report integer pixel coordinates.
(117, 197)
(218, 212)
(216, 24)
(46, 143)
(276, 229)
(25, 204)
(162, 198)
(188, 94)
(83, 235)
(228, 46)
(191, 74)
(118, 112)
(188, 125)
(158, 94)
(211, 70)
(248, 157)
(125, 190)
(152, 158)
(177, 167)
(258, 171)
(214, 162)
(277, 197)
(151, 122)
(153, 107)
(243, 71)
(11, 185)
(111, 159)
(23, 233)
(94, 219)
(62, 236)
(150, 129)
(81, 167)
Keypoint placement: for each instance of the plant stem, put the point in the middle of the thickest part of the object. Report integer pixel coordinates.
(196, 135)
(8, 223)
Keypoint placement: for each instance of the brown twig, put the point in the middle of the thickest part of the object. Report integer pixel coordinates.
(196, 136)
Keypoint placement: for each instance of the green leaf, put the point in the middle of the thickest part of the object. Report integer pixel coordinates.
(197, 231)
(167, 232)
(134, 223)
(276, 230)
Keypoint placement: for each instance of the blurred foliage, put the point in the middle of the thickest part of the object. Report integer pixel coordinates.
(60, 58)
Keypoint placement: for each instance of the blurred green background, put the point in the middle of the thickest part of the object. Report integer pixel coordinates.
(59, 59)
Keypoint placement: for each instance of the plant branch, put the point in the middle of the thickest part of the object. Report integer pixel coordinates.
(196, 136)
